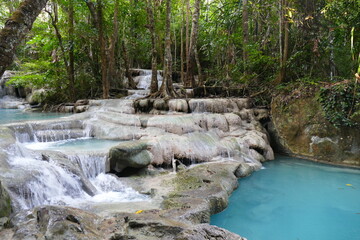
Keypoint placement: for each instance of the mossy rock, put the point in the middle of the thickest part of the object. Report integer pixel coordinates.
(303, 130)
(5, 203)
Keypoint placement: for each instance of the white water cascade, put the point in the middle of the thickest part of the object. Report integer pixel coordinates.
(50, 166)
(143, 83)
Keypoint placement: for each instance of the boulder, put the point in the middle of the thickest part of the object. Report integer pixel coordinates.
(37, 96)
(132, 154)
(81, 108)
(160, 104)
(178, 105)
(59, 223)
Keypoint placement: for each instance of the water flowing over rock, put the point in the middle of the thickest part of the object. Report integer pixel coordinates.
(143, 83)
(232, 131)
(208, 143)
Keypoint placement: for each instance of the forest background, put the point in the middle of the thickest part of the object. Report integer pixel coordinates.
(84, 49)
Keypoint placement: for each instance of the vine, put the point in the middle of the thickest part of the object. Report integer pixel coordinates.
(341, 103)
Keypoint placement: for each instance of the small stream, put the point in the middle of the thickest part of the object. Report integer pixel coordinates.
(293, 199)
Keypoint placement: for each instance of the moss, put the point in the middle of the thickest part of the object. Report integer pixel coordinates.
(303, 121)
(18, 17)
(171, 203)
(185, 181)
(5, 203)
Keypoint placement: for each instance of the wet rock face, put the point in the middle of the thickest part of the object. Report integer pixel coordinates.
(52, 222)
(300, 128)
(216, 128)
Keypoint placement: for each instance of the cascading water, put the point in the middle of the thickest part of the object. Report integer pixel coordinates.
(50, 166)
(144, 79)
(143, 83)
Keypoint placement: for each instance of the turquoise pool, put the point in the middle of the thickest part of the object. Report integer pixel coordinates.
(74, 145)
(16, 115)
(293, 199)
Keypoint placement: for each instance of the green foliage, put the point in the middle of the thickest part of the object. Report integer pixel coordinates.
(341, 103)
(33, 74)
(320, 37)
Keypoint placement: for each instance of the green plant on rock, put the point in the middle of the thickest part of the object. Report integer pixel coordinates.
(341, 104)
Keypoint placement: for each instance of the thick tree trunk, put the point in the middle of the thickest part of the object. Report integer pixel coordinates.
(151, 26)
(191, 61)
(16, 28)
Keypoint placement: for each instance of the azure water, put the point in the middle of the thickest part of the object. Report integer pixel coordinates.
(293, 199)
(16, 115)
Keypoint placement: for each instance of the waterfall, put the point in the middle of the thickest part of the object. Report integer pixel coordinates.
(51, 132)
(42, 173)
(92, 164)
(144, 79)
(143, 83)
(49, 184)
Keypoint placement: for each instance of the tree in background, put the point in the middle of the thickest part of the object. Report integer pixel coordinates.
(15, 30)
(250, 44)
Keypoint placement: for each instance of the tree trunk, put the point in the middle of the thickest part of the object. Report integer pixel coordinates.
(198, 64)
(127, 66)
(94, 49)
(190, 61)
(245, 23)
(285, 48)
(151, 26)
(71, 52)
(113, 41)
(187, 38)
(16, 28)
(182, 50)
(167, 89)
(103, 55)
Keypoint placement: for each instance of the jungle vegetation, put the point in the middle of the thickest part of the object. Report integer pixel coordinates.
(85, 48)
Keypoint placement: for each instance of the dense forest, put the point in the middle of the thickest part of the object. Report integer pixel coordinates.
(84, 48)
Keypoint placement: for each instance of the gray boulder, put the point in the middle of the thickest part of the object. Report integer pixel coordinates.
(128, 154)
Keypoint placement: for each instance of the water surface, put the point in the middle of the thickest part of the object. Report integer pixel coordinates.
(17, 115)
(76, 145)
(293, 199)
